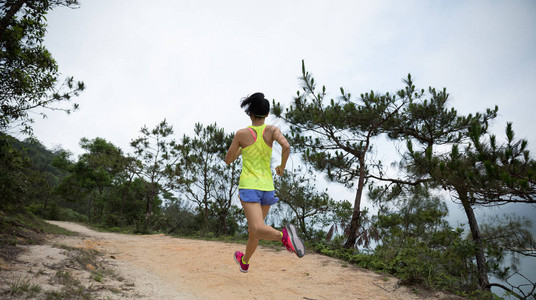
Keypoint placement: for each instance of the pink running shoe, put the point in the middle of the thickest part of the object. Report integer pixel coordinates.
(238, 258)
(292, 241)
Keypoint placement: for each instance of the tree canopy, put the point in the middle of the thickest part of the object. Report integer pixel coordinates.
(30, 75)
(336, 137)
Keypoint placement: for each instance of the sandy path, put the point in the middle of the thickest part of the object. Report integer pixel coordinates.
(164, 267)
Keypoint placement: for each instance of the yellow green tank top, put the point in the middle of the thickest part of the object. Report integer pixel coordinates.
(256, 158)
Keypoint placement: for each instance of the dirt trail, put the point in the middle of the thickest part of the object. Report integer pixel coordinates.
(164, 267)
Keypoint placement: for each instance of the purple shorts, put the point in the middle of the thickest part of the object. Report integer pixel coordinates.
(262, 197)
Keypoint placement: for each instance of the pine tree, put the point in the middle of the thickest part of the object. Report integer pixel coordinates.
(337, 137)
(450, 151)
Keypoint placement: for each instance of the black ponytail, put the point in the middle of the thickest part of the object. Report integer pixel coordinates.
(256, 105)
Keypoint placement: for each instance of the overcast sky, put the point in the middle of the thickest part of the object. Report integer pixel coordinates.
(192, 61)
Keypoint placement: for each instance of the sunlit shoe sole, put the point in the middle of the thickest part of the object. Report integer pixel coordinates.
(297, 243)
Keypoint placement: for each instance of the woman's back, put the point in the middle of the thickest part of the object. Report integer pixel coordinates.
(256, 158)
(246, 137)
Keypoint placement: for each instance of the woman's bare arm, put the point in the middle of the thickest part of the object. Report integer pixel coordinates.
(281, 140)
(234, 150)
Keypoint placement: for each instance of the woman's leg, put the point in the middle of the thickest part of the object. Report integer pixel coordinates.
(255, 215)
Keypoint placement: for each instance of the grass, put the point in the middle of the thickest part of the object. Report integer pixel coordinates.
(86, 257)
(26, 228)
(72, 288)
(64, 247)
(69, 292)
(65, 278)
(97, 276)
(113, 274)
(22, 286)
(20, 227)
(103, 228)
(53, 229)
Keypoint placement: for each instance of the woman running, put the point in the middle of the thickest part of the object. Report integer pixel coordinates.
(256, 186)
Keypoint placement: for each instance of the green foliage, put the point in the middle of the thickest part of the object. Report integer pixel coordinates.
(302, 204)
(56, 212)
(22, 286)
(309, 207)
(158, 164)
(206, 180)
(499, 173)
(179, 219)
(29, 73)
(72, 288)
(508, 238)
(408, 212)
(337, 137)
(12, 176)
(417, 244)
(98, 185)
(92, 176)
(20, 227)
(474, 168)
(447, 267)
(40, 175)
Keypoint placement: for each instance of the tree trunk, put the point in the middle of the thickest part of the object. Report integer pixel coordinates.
(477, 238)
(355, 223)
(123, 201)
(224, 229)
(151, 197)
(90, 206)
(205, 214)
(124, 196)
(301, 220)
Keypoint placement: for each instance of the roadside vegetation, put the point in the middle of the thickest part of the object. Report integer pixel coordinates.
(23, 228)
(52, 279)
